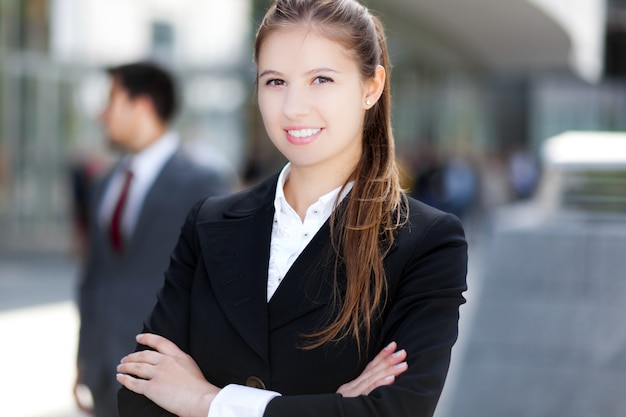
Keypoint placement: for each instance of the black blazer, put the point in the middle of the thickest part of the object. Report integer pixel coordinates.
(213, 306)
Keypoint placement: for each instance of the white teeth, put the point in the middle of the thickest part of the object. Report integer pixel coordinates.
(303, 133)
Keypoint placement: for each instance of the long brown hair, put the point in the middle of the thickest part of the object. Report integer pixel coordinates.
(364, 231)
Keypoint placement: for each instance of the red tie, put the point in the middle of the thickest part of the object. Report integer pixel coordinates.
(115, 231)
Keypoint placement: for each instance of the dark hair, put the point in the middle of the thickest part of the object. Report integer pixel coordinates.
(149, 80)
(365, 230)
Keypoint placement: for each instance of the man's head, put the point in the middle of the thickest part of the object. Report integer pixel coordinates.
(142, 102)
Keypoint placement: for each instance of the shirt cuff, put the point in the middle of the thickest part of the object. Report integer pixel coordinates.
(240, 401)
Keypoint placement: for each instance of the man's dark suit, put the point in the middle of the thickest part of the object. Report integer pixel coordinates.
(213, 305)
(117, 292)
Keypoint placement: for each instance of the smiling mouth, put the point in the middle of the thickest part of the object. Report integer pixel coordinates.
(303, 133)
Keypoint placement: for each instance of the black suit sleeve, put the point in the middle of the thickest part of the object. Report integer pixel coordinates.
(427, 279)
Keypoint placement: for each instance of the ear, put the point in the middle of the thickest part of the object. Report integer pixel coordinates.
(143, 103)
(374, 87)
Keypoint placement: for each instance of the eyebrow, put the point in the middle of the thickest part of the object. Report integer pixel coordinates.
(311, 72)
(268, 72)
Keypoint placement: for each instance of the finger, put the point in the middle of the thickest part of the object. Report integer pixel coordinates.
(79, 400)
(381, 370)
(383, 354)
(137, 369)
(145, 356)
(134, 384)
(158, 343)
(396, 358)
(385, 377)
(390, 378)
(378, 367)
(393, 365)
(374, 377)
(381, 373)
(383, 363)
(398, 369)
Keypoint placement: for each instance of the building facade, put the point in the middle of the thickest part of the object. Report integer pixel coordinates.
(472, 78)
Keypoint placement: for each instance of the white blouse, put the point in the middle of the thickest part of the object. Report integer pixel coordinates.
(290, 235)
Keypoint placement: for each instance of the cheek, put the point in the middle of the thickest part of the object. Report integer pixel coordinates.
(119, 113)
(348, 113)
(347, 103)
(268, 109)
(118, 120)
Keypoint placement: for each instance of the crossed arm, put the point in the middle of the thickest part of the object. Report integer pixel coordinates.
(172, 379)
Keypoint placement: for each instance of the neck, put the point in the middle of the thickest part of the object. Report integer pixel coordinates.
(147, 136)
(306, 185)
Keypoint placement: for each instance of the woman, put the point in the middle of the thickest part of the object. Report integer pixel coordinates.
(295, 284)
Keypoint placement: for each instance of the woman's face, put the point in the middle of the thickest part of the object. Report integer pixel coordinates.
(312, 99)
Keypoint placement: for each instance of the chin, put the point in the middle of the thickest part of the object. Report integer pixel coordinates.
(115, 146)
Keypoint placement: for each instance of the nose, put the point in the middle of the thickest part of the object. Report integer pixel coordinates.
(296, 103)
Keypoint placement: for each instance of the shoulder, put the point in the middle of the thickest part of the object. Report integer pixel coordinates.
(425, 225)
(182, 164)
(241, 204)
(192, 175)
(430, 250)
(422, 213)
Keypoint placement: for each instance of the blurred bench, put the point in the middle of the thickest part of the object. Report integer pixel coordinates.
(585, 174)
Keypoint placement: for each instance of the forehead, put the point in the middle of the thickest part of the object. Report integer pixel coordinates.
(304, 47)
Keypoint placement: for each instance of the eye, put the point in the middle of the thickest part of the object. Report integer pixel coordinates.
(322, 80)
(275, 81)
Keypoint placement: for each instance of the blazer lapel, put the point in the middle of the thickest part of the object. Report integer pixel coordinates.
(309, 283)
(312, 281)
(235, 252)
(159, 187)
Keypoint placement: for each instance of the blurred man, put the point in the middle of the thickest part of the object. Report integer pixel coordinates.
(137, 211)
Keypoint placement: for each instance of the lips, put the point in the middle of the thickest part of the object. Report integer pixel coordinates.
(302, 136)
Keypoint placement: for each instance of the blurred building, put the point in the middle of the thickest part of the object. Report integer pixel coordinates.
(479, 79)
(52, 88)
(471, 72)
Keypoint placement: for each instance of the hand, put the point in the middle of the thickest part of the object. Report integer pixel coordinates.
(382, 370)
(167, 376)
(79, 393)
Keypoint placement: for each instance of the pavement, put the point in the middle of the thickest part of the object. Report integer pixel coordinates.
(38, 328)
(547, 335)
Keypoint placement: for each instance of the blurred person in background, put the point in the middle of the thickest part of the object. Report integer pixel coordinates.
(278, 296)
(523, 174)
(136, 211)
